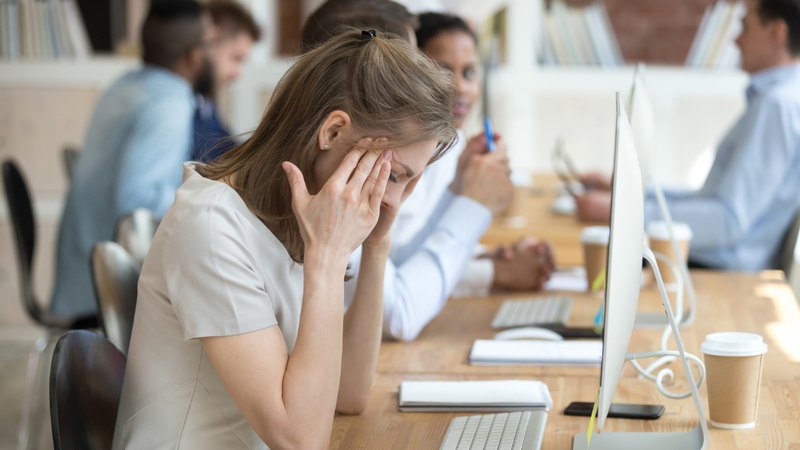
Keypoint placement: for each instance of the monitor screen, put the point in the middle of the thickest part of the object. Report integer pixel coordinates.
(624, 264)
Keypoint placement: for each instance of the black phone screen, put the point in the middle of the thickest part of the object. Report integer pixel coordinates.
(617, 410)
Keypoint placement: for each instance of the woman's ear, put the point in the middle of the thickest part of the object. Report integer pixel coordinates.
(333, 130)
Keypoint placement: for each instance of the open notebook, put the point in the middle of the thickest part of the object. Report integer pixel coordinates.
(536, 353)
(478, 396)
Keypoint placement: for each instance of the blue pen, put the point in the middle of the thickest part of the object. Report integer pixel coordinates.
(487, 127)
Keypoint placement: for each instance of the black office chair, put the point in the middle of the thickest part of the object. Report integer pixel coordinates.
(790, 256)
(85, 386)
(19, 205)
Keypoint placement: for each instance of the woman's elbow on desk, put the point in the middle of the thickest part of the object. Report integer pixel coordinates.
(353, 405)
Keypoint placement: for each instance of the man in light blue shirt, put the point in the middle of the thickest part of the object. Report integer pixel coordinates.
(138, 139)
(752, 194)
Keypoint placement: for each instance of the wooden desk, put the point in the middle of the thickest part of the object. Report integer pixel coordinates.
(383, 426)
(757, 303)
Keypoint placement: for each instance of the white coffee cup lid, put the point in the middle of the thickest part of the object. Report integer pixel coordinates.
(658, 230)
(595, 235)
(733, 344)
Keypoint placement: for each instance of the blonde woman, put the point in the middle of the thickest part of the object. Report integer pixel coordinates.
(240, 339)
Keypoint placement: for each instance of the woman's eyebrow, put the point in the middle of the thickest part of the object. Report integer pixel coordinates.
(409, 171)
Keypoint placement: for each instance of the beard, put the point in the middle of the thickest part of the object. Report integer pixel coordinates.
(204, 83)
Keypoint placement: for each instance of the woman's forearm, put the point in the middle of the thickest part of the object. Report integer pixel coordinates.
(312, 372)
(362, 332)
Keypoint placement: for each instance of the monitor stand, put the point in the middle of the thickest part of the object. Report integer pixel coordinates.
(658, 320)
(696, 439)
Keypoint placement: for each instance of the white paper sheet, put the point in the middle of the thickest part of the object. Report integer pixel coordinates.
(571, 279)
(502, 395)
(527, 352)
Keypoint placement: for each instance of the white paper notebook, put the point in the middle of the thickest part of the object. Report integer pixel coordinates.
(536, 353)
(479, 396)
(568, 279)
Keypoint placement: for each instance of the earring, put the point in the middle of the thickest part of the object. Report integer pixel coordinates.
(325, 146)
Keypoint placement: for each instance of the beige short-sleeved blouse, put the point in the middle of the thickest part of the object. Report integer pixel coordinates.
(213, 269)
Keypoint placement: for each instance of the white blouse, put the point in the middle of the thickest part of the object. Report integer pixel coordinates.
(214, 269)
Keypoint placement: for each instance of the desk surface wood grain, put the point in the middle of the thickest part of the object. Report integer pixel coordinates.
(758, 303)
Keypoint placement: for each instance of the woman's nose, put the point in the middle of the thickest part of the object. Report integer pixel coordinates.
(391, 198)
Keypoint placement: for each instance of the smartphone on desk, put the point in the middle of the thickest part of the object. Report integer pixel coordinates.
(618, 410)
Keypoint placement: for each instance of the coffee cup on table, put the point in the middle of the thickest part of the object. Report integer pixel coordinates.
(660, 242)
(595, 251)
(734, 362)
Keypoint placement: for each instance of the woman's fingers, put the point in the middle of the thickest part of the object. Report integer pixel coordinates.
(348, 164)
(380, 184)
(296, 183)
(369, 184)
(364, 169)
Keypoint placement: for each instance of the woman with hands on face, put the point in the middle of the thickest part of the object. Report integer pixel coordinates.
(240, 338)
(434, 253)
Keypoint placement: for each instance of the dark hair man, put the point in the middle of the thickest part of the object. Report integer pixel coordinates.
(138, 139)
(334, 15)
(748, 202)
(238, 31)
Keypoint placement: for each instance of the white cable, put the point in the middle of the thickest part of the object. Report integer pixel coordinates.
(667, 330)
(659, 379)
(692, 294)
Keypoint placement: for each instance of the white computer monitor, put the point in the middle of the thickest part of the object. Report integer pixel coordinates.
(623, 275)
(642, 121)
(624, 265)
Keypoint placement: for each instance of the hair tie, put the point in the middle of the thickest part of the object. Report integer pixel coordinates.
(365, 35)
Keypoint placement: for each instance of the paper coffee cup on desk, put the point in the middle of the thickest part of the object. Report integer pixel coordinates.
(595, 251)
(660, 242)
(734, 362)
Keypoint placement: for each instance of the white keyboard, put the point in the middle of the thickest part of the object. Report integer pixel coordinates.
(522, 430)
(533, 311)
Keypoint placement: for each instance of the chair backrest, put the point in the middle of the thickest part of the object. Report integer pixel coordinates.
(70, 155)
(85, 386)
(21, 210)
(790, 256)
(135, 232)
(115, 275)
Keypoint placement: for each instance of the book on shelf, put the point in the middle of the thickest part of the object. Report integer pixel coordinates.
(714, 45)
(578, 36)
(42, 29)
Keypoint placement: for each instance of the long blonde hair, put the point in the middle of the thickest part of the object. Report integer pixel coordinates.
(388, 88)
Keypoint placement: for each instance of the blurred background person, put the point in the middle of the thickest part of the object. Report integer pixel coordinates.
(333, 16)
(752, 193)
(238, 31)
(139, 137)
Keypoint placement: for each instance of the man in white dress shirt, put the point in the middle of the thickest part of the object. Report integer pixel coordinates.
(435, 234)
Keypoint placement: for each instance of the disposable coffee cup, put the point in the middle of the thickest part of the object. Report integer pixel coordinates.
(595, 251)
(660, 242)
(734, 362)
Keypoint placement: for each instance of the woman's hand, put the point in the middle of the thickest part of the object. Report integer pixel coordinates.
(476, 145)
(336, 221)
